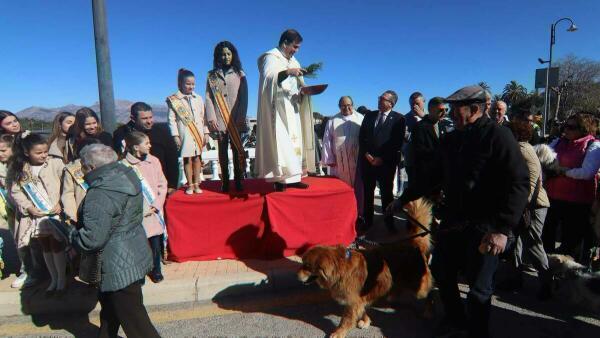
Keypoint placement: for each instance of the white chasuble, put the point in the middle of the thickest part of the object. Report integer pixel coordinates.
(279, 140)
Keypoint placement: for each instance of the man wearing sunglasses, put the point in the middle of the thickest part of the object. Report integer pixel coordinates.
(486, 186)
(380, 143)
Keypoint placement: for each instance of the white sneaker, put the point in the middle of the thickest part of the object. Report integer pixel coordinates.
(19, 281)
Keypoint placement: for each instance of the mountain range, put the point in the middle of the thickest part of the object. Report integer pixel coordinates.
(122, 110)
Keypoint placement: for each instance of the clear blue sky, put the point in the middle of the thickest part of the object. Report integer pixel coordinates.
(47, 49)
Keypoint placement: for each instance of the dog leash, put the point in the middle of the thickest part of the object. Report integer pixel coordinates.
(369, 243)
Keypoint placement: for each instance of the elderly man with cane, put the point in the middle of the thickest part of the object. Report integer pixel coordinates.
(485, 182)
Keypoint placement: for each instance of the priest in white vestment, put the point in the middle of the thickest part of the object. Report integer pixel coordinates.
(340, 146)
(281, 107)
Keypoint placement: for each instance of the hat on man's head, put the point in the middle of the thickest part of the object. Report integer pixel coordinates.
(469, 94)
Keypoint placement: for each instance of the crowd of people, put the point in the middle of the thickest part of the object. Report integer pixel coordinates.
(501, 189)
(495, 180)
(93, 201)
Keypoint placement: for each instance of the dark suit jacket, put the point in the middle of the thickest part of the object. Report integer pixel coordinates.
(386, 142)
(424, 143)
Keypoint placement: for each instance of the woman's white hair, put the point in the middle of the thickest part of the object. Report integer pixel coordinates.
(97, 155)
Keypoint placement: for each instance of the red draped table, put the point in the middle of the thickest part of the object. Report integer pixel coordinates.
(259, 222)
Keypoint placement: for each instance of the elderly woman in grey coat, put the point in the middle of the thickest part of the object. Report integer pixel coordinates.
(111, 219)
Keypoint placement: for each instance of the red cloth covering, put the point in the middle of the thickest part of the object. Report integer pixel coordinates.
(258, 222)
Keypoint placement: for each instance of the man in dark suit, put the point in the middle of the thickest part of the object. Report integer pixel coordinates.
(163, 146)
(425, 137)
(380, 145)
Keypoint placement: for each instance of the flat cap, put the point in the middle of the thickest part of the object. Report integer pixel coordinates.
(469, 94)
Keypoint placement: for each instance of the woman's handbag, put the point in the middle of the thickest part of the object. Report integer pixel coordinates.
(90, 266)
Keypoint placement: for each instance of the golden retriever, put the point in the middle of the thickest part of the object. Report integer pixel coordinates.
(357, 278)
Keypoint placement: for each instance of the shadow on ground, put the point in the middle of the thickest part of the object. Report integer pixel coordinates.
(51, 310)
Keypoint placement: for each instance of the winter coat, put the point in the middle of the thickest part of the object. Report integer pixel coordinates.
(234, 88)
(50, 175)
(483, 175)
(163, 147)
(153, 175)
(111, 215)
(535, 175)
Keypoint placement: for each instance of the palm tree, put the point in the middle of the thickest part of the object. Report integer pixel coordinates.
(513, 92)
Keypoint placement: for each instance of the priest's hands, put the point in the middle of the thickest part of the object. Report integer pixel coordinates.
(295, 72)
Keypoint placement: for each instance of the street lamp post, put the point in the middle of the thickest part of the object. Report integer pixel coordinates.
(105, 84)
(571, 28)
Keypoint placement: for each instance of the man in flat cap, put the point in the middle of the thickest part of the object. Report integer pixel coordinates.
(485, 182)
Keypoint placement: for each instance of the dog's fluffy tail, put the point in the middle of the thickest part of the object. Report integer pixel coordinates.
(420, 211)
(546, 154)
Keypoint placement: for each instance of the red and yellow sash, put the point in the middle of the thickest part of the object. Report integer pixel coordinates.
(226, 115)
(188, 120)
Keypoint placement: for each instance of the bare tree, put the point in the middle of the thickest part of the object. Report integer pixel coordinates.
(579, 86)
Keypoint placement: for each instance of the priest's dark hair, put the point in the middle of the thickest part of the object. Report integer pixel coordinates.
(236, 64)
(137, 107)
(183, 74)
(290, 36)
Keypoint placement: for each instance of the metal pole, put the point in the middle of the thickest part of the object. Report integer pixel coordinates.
(547, 90)
(105, 85)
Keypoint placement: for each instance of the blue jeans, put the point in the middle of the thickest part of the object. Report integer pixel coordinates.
(458, 251)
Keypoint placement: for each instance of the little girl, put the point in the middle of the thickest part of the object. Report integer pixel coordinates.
(186, 121)
(154, 189)
(35, 190)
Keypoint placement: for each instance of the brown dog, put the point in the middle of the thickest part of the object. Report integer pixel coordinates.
(357, 278)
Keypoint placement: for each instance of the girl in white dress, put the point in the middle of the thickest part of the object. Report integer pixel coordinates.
(186, 122)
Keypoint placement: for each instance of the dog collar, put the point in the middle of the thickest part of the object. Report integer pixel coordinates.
(348, 253)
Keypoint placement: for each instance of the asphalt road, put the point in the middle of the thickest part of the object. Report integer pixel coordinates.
(310, 313)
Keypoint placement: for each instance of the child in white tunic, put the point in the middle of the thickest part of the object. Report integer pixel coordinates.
(188, 130)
